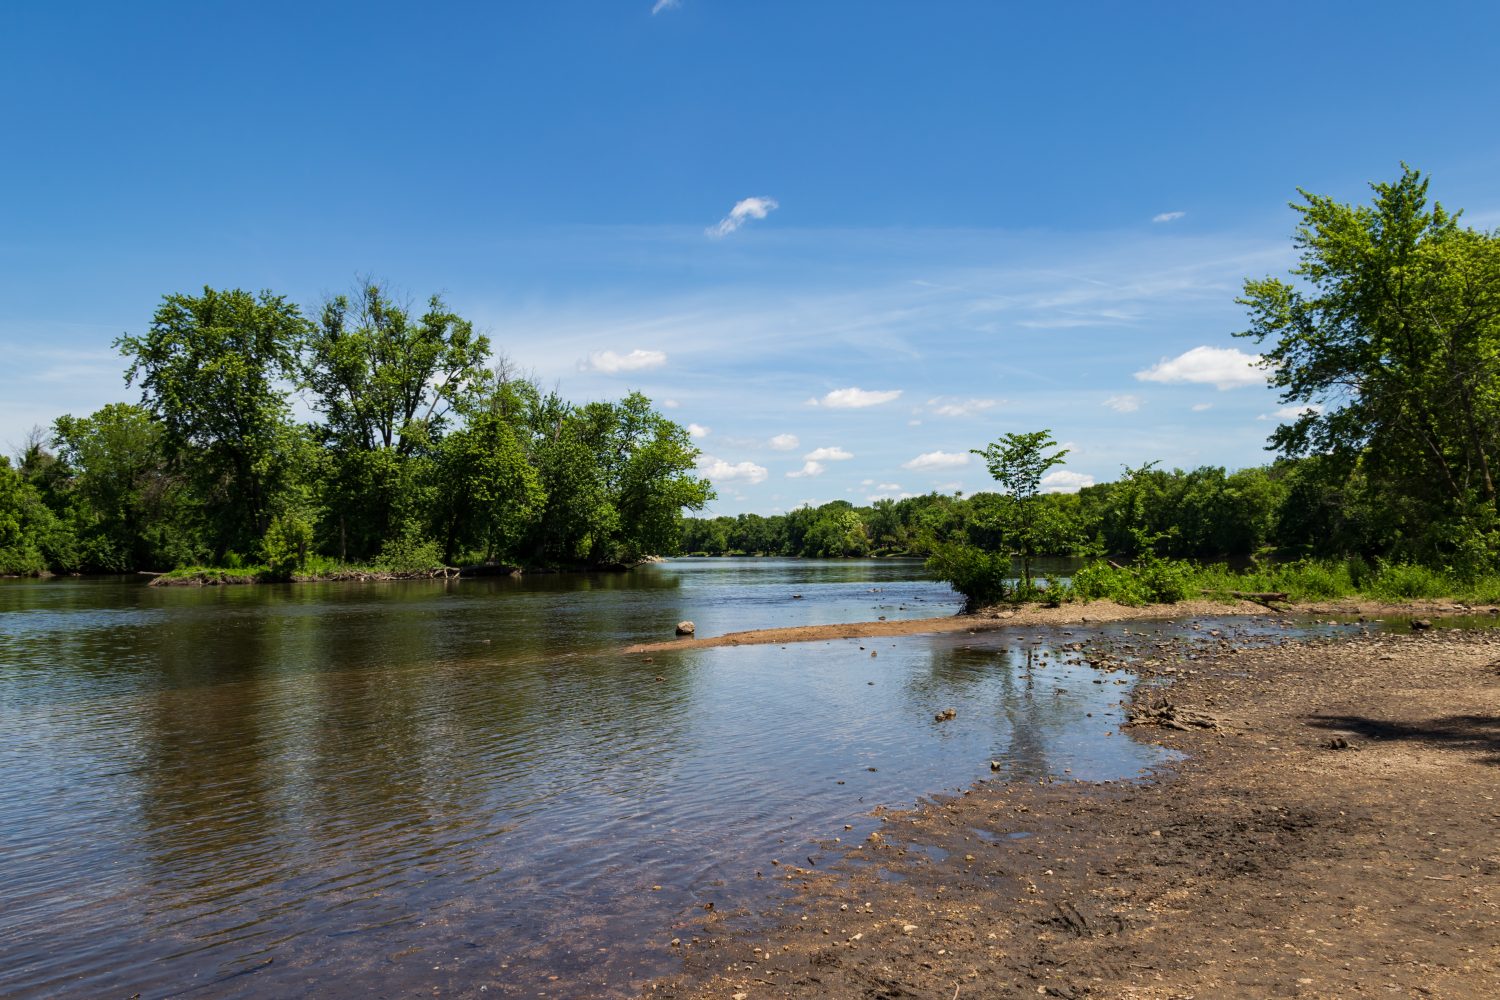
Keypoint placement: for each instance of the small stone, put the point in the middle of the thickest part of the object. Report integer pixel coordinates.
(686, 628)
(908, 928)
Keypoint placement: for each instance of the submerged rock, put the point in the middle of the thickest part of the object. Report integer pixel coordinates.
(686, 628)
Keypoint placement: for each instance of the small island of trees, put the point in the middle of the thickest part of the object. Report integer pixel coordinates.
(423, 452)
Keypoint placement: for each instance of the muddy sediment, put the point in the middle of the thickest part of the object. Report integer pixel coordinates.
(1334, 831)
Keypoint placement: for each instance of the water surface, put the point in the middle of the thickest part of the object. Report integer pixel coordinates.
(384, 789)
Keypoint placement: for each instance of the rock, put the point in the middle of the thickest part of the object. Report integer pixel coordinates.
(945, 715)
(1420, 624)
(686, 628)
(1339, 743)
(996, 765)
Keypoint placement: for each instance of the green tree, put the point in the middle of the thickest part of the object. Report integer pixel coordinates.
(211, 370)
(1018, 462)
(389, 385)
(385, 379)
(1389, 335)
(488, 494)
(29, 532)
(130, 512)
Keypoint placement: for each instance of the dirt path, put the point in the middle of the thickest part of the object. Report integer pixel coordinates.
(1336, 835)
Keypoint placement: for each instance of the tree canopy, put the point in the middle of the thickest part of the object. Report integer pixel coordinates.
(1388, 336)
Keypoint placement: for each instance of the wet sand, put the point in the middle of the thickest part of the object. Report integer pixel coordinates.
(1332, 833)
(1031, 615)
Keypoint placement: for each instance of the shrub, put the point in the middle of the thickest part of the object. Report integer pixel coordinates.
(410, 552)
(287, 543)
(976, 574)
(1404, 581)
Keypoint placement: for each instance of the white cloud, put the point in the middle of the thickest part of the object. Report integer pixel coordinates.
(1290, 413)
(1201, 407)
(809, 468)
(888, 487)
(852, 398)
(961, 407)
(662, 5)
(834, 454)
(1123, 404)
(697, 431)
(937, 460)
(637, 360)
(1063, 481)
(721, 471)
(1168, 216)
(743, 211)
(1221, 367)
(670, 404)
(785, 442)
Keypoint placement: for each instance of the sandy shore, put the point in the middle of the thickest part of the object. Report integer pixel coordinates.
(1032, 615)
(1332, 833)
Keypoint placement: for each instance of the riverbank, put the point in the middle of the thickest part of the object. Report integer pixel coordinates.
(1330, 834)
(1030, 615)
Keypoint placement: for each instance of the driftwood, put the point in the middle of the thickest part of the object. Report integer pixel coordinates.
(1259, 597)
(1170, 716)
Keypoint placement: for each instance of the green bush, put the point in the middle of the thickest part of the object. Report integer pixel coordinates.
(1402, 581)
(978, 575)
(287, 543)
(1151, 580)
(410, 552)
(1055, 591)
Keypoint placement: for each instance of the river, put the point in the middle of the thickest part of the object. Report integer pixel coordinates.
(465, 786)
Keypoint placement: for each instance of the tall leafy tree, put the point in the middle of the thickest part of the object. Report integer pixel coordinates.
(212, 370)
(1018, 462)
(1389, 334)
(129, 510)
(389, 383)
(384, 378)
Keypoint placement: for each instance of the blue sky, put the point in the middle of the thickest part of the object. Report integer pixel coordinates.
(845, 241)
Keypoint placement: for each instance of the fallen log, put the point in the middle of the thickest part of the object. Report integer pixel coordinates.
(1261, 597)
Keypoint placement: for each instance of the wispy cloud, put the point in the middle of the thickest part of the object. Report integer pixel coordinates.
(944, 407)
(1220, 367)
(1168, 216)
(697, 431)
(834, 454)
(809, 468)
(853, 398)
(1123, 404)
(662, 5)
(1289, 413)
(1063, 481)
(937, 460)
(720, 471)
(785, 442)
(610, 362)
(744, 210)
(1202, 407)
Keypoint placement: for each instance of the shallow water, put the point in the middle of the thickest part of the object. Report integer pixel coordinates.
(343, 789)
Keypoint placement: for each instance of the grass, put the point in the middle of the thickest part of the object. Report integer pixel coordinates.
(315, 569)
(1169, 580)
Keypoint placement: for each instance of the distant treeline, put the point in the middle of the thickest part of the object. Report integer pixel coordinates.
(424, 450)
(1294, 508)
(1384, 343)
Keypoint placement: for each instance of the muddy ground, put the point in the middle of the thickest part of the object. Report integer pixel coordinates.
(1334, 832)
